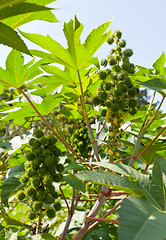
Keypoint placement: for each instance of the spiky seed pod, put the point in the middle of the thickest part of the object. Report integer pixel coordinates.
(52, 139)
(102, 75)
(50, 212)
(43, 141)
(110, 40)
(47, 180)
(58, 177)
(23, 178)
(104, 62)
(30, 156)
(57, 152)
(46, 152)
(38, 133)
(118, 33)
(108, 86)
(30, 191)
(49, 199)
(96, 101)
(112, 61)
(60, 167)
(35, 182)
(122, 43)
(57, 206)
(128, 52)
(32, 215)
(32, 141)
(37, 205)
(21, 195)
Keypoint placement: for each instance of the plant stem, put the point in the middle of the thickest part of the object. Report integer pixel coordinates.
(102, 220)
(38, 227)
(142, 131)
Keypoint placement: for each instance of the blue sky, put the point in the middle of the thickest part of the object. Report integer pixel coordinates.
(142, 22)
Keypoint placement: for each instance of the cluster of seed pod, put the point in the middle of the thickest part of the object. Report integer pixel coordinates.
(42, 169)
(81, 141)
(116, 94)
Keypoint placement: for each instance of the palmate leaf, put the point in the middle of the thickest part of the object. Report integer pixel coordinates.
(159, 65)
(16, 73)
(11, 38)
(144, 218)
(139, 220)
(77, 55)
(19, 8)
(112, 180)
(19, 20)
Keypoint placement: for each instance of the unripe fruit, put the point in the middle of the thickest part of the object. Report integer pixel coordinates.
(110, 41)
(132, 92)
(57, 206)
(52, 139)
(50, 212)
(115, 107)
(44, 141)
(30, 191)
(102, 75)
(132, 103)
(112, 61)
(96, 101)
(108, 71)
(122, 43)
(38, 133)
(21, 195)
(37, 205)
(103, 95)
(30, 156)
(47, 180)
(118, 33)
(49, 199)
(103, 112)
(32, 141)
(58, 177)
(132, 111)
(57, 152)
(37, 151)
(104, 62)
(23, 178)
(60, 167)
(35, 183)
(32, 215)
(128, 52)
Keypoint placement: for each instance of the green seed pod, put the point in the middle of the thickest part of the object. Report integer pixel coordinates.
(103, 95)
(30, 156)
(58, 177)
(132, 92)
(96, 101)
(36, 163)
(126, 66)
(49, 199)
(30, 191)
(48, 160)
(46, 152)
(50, 212)
(37, 205)
(118, 33)
(122, 43)
(37, 151)
(30, 172)
(40, 194)
(32, 215)
(43, 141)
(117, 68)
(52, 139)
(57, 152)
(128, 52)
(32, 141)
(132, 111)
(103, 112)
(108, 72)
(108, 104)
(102, 75)
(23, 178)
(128, 82)
(38, 133)
(35, 183)
(115, 107)
(108, 86)
(36, 144)
(57, 206)
(50, 189)
(21, 195)
(112, 61)
(110, 40)
(121, 76)
(60, 167)
(47, 180)
(104, 62)
(132, 103)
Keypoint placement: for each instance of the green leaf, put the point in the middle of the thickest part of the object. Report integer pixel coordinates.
(103, 231)
(140, 219)
(10, 38)
(77, 56)
(112, 180)
(20, 8)
(156, 84)
(42, 236)
(75, 166)
(11, 183)
(159, 65)
(16, 21)
(74, 182)
(16, 73)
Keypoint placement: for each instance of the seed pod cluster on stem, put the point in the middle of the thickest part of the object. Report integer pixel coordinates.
(42, 169)
(116, 94)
